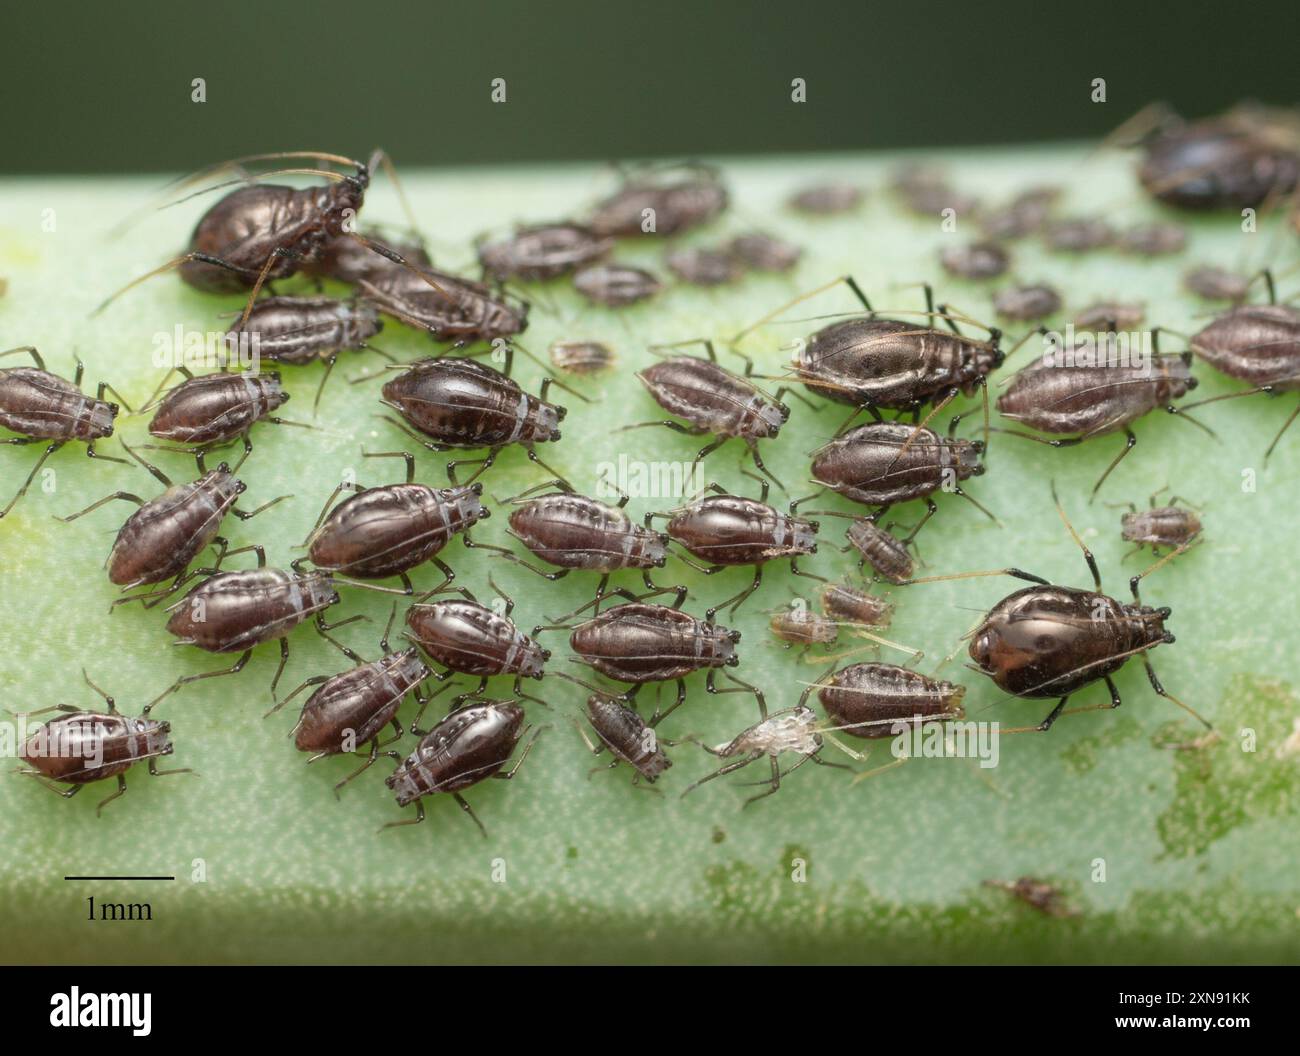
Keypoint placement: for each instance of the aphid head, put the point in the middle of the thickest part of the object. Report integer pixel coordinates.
(656, 549)
(533, 662)
(468, 505)
(805, 536)
(771, 416)
(1175, 376)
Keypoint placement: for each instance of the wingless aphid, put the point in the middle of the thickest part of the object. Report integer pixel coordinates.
(846, 602)
(1217, 284)
(80, 747)
(542, 251)
(826, 199)
(166, 533)
(1080, 234)
(873, 700)
(627, 736)
(701, 266)
(650, 203)
(1027, 303)
(616, 285)
(40, 406)
(581, 357)
(1153, 240)
(763, 252)
(448, 307)
(1102, 316)
(800, 625)
(1171, 525)
(470, 745)
(976, 260)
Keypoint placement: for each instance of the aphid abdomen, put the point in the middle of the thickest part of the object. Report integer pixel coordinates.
(468, 746)
(216, 407)
(1161, 526)
(234, 611)
(639, 643)
(89, 746)
(355, 705)
(467, 637)
(1259, 344)
(1085, 400)
(884, 552)
(869, 700)
(164, 535)
(573, 531)
(44, 406)
(882, 362)
(729, 530)
(301, 330)
(883, 463)
(710, 398)
(627, 736)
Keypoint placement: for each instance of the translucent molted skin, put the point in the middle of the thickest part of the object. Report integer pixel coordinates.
(234, 611)
(1048, 641)
(468, 637)
(301, 330)
(468, 746)
(44, 406)
(573, 531)
(627, 736)
(462, 403)
(358, 702)
(639, 643)
(885, 695)
(877, 465)
(802, 626)
(392, 529)
(1257, 343)
(849, 604)
(713, 399)
(792, 730)
(216, 407)
(89, 746)
(730, 530)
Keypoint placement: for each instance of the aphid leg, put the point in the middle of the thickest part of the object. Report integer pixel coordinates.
(464, 805)
(1130, 443)
(23, 440)
(125, 496)
(796, 503)
(185, 680)
(758, 463)
(563, 485)
(39, 778)
(730, 768)
(121, 791)
(370, 761)
(484, 464)
(315, 680)
(419, 806)
(1161, 691)
(424, 703)
(660, 715)
(28, 350)
(506, 775)
(1285, 426)
(245, 515)
(740, 687)
(1053, 715)
(157, 473)
(155, 772)
(847, 280)
(338, 490)
(978, 505)
(1087, 554)
(193, 257)
(797, 571)
(737, 600)
(775, 783)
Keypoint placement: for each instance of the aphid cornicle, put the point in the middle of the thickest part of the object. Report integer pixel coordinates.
(352, 708)
(460, 403)
(391, 529)
(616, 285)
(80, 747)
(166, 533)
(873, 700)
(542, 251)
(38, 405)
(470, 745)
(213, 409)
(1170, 525)
(648, 203)
(627, 736)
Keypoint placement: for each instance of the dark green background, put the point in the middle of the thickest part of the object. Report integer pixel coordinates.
(91, 88)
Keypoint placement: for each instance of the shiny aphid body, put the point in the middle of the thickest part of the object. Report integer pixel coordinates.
(450, 308)
(1255, 343)
(676, 204)
(346, 259)
(882, 463)
(616, 285)
(627, 736)
(215, 408)
(638, 643)
(873, 700)
(303, 330)
(572, 531)
(38, 405)
(543, 251)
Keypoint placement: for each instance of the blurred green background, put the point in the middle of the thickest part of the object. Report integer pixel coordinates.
(90, 89)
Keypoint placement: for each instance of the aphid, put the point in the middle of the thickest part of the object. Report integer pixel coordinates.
(1023, 215)
(616, 285)
(461, 403)
(353, 707)
(1172, 525)
(762, 252)
(845, 602)
(727, 530)
(887, 554)
(714, 400)
(882, 463)
(875, 700)
(470, 745)
(233, 612)
(571, 531)
(84, 746)
(627, 736)
(304, 330)
(543, 251)
(214, 409)
(39, 405)
(1217, 284)
(638, 643)
(1153, 240)
(1044, 897)
(581, 357)
(826, 199)
(927, 192)
(1236, 160)
(390, 530)
(799, 625)
(649, 204)
(1110, 316)
(1088, 389)
(976, 260)
(449, 307)
(472, 639)
(1027, 303)
(1078, 234)
(166, 533)
(346, 259)
(703, 267)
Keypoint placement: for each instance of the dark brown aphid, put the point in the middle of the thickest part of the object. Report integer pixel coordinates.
(461, 403)
(1027, 303)
(80, 747)
(976, 260)
(1172, 525)
(714, 400)
(470, 638)
(762, 252)
(1217, 284)
(846, 603)
(353, 707)
(703, 267)
(166, 533)
(877, 700)
(1091, 389)
(1078, 234)
(616, 285)
(213, 409)
(449, 307)
(728, 530)
(799, 625)
(1044, 897)
(543, 251)
(470, 745)
(581, 357)
(826, 199)
(1153, 240)
(390, 530)
(1110, 316)
(627, 736)
(882, 463)
(38, 405)
(1023, 215)
(647, 203)
(348, 260)
(1237, 160)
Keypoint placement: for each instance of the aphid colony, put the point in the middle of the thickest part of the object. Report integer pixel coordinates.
(1042, 641)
